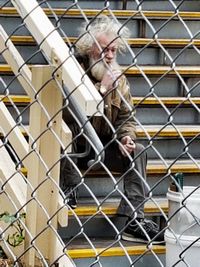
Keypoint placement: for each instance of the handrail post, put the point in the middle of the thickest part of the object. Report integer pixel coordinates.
(44, 153)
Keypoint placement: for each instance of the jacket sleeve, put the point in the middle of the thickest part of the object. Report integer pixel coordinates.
(125, 123)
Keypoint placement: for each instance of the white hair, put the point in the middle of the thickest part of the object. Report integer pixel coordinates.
(101, 25)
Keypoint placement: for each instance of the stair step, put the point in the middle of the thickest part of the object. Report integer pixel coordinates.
(77, 250)
(168, 131)
(17, 99)
(158, 179)
(173, 29)
(24, 99)
(185, 166)
(154, 167)
(187, 71)
(102, 218)
(166, 100)
(189, 130)
(103, 185)
(114, 253)
(86, 209)
(158, 167)
(159, 131)
(168, 86)
(118, 13)
(164, 5)
(186, 116)
(136, 42)
(153, 54)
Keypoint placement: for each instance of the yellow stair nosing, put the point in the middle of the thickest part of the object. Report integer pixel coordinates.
(114, 251)
(154, 131)
(15, 98)
(132, 41)
(118, 13)
(149, 70)
(161, 169)
(111, 209)
(168, 134)
(23, 39)
(161, 70)
(156, 169)
(136, 100)
(164, 42)
(151, 169)
(166, 100)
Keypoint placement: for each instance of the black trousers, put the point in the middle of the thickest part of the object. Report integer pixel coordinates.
(133, 173)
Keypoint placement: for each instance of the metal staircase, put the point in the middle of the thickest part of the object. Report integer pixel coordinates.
(164, 78)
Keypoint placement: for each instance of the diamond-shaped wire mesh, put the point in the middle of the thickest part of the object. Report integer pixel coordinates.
(56, 150)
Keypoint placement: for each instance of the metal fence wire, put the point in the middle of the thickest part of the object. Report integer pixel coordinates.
(62, 134)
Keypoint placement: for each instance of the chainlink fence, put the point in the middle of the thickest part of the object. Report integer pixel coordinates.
(40, 78)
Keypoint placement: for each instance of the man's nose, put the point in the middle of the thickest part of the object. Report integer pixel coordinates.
(109, 54)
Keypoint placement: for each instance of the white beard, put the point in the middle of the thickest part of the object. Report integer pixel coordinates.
(99, 69)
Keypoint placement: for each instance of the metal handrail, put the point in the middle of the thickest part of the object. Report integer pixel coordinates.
(92, 137)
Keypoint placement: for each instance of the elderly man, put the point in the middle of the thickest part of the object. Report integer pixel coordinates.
(96, 52)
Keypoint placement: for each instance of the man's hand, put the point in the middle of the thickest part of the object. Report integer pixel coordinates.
(128, 145)
(108, 80)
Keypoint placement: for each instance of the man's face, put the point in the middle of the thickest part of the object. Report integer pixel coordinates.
(109, 49)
